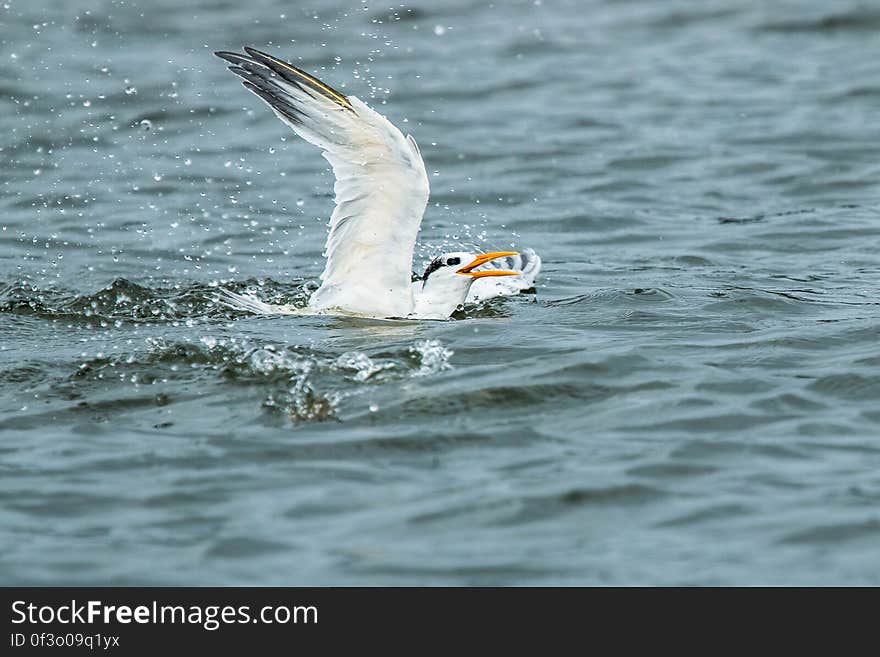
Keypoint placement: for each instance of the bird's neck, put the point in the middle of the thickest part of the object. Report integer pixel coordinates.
(438, 300)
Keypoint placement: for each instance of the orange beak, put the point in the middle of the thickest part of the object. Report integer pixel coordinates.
(484, 258)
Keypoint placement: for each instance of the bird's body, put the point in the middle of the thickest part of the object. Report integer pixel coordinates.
(381, 192)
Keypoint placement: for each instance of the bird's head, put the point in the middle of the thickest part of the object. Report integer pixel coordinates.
(448, 278)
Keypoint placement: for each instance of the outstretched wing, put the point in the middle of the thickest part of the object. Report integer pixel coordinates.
(527, 263)
(381, 185)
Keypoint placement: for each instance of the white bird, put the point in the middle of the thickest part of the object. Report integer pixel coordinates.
(381, 192)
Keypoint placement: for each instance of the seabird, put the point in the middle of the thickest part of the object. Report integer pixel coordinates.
(381, 192)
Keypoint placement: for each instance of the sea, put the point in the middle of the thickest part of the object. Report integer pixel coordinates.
(690, 396)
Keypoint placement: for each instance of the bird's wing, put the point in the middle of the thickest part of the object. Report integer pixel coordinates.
(381, 185)
(527, 264)
(251, 304)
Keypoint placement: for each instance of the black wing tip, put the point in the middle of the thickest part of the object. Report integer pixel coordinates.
(253, 52)
(249, 50)
(227, 55)
(237, 57)
(285, 71)
(277, 104)
(296, 75)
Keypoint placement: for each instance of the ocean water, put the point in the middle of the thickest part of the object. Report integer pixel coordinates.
(691, 397)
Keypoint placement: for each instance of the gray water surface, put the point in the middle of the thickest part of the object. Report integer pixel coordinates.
(691, 397)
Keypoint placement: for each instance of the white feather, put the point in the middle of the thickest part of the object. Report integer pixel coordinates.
(381, 194)
(527, 263)
(381, 187)
(252, 304)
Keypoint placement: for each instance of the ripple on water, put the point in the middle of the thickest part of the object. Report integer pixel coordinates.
(298, 382)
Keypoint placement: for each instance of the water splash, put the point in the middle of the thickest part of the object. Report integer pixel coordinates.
(124, 301)
(432, 356)
(300, 383)
(362, 366)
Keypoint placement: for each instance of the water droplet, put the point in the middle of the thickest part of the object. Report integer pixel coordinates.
(374, 408)
(146, 125)
(130, 90)
(439, 30)
(300, 202)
